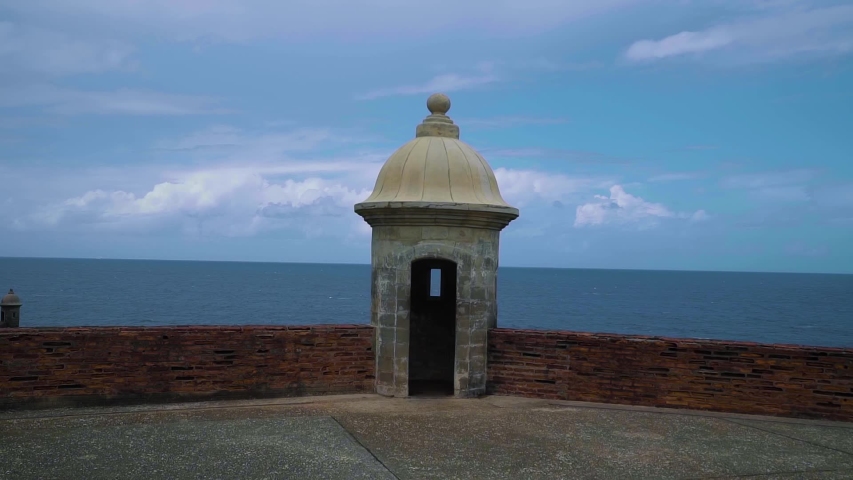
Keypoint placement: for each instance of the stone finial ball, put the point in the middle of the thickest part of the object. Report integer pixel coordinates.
(438, 103)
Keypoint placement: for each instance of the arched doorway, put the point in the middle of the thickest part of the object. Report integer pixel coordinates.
(432, 327)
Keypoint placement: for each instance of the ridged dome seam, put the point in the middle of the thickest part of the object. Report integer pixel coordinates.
(426, 162)
(493, 181)
(403, 168)
(384, 179)
(476, 181)
(467, 165)
(447, 158)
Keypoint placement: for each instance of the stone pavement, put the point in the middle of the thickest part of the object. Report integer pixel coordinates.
(367, 436)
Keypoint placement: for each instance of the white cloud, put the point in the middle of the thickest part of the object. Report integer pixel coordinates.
(579, 156)
(780, 31)
(279, 153)
(674, 177)
(546, 65)
(679, 44)
(36, 50)
(835, 196)
(507, 121)
(768, 179)
(15, 122)
(245, 20)
(230, 201)
(786, 186)
(450, 82)
(699, 147)
(699, 216)
(520, 187)
(224, 137)
(250, 183)
(247, 182)
(623, 208)
(790, 193)
(801, 249)
(66, 101)
(256, 197)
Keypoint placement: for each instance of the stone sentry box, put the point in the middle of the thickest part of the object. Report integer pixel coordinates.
(436, 211)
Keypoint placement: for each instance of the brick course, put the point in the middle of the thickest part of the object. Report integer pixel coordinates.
(46, 366)
(740, 377)
(38, 365)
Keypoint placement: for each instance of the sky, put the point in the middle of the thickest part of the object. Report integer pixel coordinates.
(635, 134)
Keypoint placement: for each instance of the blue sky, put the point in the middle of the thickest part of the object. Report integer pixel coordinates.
(710, 135)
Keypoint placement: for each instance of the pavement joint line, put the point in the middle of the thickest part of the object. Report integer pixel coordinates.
(760, 475)
(789, 437)
(330, 399)
(700, 413)
(358, 442)
(153, 409)
(156, 409)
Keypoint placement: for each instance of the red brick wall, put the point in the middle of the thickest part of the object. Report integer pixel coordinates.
(740, 377)
(114, 363)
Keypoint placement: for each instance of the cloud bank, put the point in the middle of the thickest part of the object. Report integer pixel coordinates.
(622, 208)
(769, 35)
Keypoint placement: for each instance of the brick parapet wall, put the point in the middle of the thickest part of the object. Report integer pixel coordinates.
(94, 365)
(47, 366)
(741, 377)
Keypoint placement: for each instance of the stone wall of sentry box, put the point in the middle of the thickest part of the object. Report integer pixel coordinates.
(741, 377)
(53, 366)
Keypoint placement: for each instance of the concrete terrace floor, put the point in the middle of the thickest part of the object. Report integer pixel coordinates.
(368, 436)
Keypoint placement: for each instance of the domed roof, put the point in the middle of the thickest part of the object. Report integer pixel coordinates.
(11, 299)
(437, 171)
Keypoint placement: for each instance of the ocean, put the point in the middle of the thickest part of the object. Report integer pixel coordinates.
(807, 309)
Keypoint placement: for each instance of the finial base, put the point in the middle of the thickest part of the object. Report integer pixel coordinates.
(435, 127)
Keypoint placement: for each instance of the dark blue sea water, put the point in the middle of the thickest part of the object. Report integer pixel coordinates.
(809, 309)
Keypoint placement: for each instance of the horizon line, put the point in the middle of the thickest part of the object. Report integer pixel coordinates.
(368, 264)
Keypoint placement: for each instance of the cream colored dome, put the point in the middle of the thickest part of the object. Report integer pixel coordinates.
(437, 171)
(11, 299)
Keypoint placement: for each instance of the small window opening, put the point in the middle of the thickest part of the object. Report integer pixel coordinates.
(435, 282)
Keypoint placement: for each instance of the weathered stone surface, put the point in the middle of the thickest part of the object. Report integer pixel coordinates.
(472, 250)
(740, 377)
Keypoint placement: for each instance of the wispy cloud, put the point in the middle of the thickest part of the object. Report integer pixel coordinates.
(835, 196)
(449, 82)
(678, 44)
(221, 137)
(778, 31)
(10, 122)
(699, 147)
(485, 73)
(25, 49)
(67, 101)
(784, 186)
(236, 21)
(507, 121)
(675, 176)
(769, 179)
(547, 65)
(801, 249)
(579, 156)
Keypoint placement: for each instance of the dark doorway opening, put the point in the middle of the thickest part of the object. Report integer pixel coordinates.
(432, 327)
